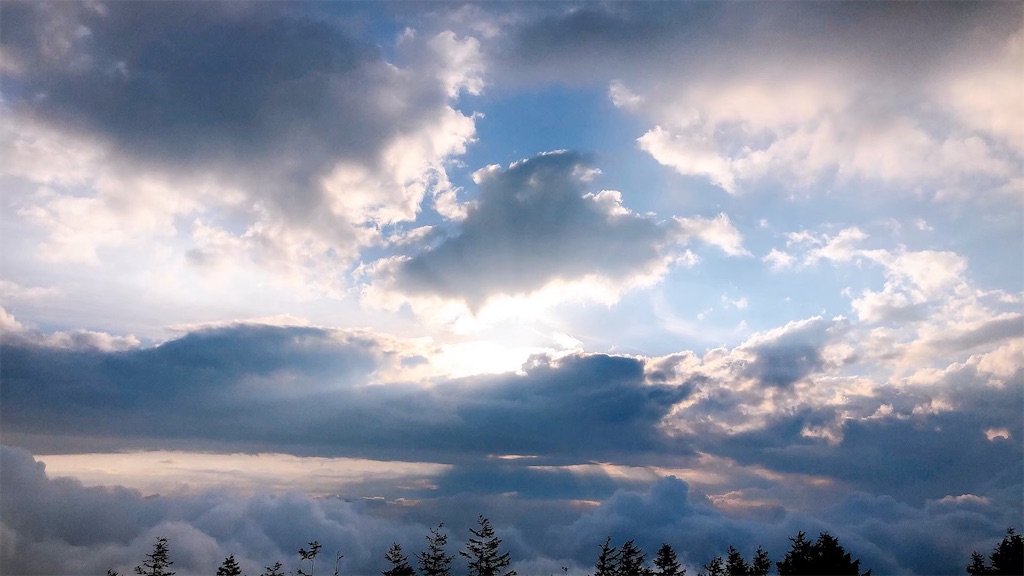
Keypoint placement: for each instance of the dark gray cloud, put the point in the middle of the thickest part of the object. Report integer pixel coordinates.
(224, 386)
(55, 525)
(782, 365)
(200, 82)
(533, 224)
(253, 105)
(889, 536)
(910, 456)
(209, 390)
(597, 40)
(791, 354)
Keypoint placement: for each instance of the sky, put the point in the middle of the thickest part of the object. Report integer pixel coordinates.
(691, 272)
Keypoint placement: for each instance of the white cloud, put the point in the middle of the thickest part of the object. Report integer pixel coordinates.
(937, 122)
(334, 154)
(179, 472)
(778, 259)
(690, 154)
(14, 292)
(718, 231)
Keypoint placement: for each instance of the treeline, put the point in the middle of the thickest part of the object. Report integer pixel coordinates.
(483, 555)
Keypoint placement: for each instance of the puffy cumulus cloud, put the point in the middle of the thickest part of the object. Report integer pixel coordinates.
(926, 309)
(840, 426)
(17, 334)
(791, 370)
(825, 398)
(328, 393)
(943, 446)
(785, 355)
(888, 536)
(534, 226)
(280, 132)
(743, 95)
(717, 231)
(56, 525)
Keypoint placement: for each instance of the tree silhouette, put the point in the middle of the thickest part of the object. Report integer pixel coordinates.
(157, 563)
(977, 565)
(631, 560)
(314, 549)
(714, 568)
(735, 564)
(1006, 558)
(229, 567)
(824, 557)
(608, 560)
(433, 561)
(666, 563)
(761, 565)
(274, 570)
(482, 552)
(399, 563)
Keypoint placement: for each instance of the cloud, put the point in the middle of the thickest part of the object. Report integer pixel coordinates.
(871, 528)
(785, 355)
(57, 525)
(534, 224)
(778, 259)
(725, 102)
(281, 132)
(218, 387)
(717, 231)
(180, 472)
(79, 340)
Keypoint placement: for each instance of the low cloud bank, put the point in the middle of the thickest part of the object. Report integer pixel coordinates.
(57, 525)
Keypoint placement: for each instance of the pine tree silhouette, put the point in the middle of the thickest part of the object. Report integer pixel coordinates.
(667, 563)
(399, 563)
(608, 560)
(482, 552)
(433, 561)
(229, 567)
(156, 564)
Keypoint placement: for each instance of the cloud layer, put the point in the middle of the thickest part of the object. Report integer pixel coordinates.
(699, 273)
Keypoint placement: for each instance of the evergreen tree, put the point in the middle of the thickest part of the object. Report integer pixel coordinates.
(761, 565)
(1008, 556)
(608, 560)
(631, 560)
(977, 566)
(229, 567)
(797, 560)
(399, 563)
(482, 552)
(735, 564)
(274, 570)
(826, 556)
(666, 562)
(433, 561)
(158, 562)
(314, 549)
(714, 568)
